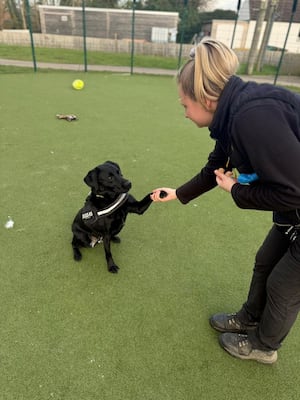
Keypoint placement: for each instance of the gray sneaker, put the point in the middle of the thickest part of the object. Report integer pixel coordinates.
(230, 323)
(239, 346)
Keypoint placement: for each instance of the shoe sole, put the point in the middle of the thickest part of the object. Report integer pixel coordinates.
(251, 358)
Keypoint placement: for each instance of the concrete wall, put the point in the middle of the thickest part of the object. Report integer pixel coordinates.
(22, 38)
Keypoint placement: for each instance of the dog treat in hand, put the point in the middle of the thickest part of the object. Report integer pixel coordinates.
(67, 117)
(163, 194)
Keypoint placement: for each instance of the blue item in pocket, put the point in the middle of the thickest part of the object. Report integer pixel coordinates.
(247, 178)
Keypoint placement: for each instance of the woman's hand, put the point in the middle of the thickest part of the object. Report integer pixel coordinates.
(163, 194)
(225, 180)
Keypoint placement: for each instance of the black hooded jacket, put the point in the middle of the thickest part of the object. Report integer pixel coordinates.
(257, 129)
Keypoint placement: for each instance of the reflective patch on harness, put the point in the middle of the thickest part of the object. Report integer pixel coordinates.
(87, 215)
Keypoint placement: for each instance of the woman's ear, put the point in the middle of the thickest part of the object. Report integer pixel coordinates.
(211, 105)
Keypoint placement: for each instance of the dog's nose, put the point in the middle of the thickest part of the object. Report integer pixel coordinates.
(127, 185)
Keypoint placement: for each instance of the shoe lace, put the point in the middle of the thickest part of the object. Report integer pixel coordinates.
(243, 341)
(233, 321)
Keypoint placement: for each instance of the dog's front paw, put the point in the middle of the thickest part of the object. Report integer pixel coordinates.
(113, 269)
(77, 254)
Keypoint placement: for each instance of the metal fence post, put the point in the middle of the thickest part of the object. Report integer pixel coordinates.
(28, 19)
(184, 17)
(235, 23)
(84, 35)
(286, 38)
(132, 36)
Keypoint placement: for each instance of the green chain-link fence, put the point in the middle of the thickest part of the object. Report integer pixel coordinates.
(87, 38)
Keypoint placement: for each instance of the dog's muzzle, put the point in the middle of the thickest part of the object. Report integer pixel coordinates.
(126, 185)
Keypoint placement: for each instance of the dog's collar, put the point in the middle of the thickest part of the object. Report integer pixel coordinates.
(115, 205)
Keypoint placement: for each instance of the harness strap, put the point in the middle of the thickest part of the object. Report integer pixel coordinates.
(116, 204)
(93, 214)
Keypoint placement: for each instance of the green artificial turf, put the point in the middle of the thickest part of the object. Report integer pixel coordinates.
(73, 331)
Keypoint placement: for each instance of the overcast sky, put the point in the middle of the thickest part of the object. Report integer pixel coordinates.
(224, 4)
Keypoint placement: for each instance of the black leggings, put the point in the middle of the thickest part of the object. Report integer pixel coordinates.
(274, 294)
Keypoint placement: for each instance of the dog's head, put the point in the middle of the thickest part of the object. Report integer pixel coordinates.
(107, 180)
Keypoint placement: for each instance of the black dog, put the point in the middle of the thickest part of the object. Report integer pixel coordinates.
(105, 210)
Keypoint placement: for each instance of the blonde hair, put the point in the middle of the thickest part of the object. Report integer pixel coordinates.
(204, 76)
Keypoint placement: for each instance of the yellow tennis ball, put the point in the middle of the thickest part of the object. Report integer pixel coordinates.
(78, 84)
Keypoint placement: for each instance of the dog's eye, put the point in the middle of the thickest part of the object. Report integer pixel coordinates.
(110, 178)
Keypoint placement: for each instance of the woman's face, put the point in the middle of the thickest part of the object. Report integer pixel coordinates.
(194, 111)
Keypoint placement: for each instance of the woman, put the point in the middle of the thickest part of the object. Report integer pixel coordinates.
(256, 129)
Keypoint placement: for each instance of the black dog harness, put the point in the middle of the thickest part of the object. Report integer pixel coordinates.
(105, 211)
(91, 214)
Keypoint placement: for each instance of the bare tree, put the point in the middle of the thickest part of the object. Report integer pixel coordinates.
(267, 33)
(256, 37)
(2, 13)
(22, 6)
(15, 15)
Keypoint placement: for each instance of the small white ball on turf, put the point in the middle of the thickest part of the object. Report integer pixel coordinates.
(78, 84)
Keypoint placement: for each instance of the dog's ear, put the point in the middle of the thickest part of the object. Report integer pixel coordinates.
(91, 178)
